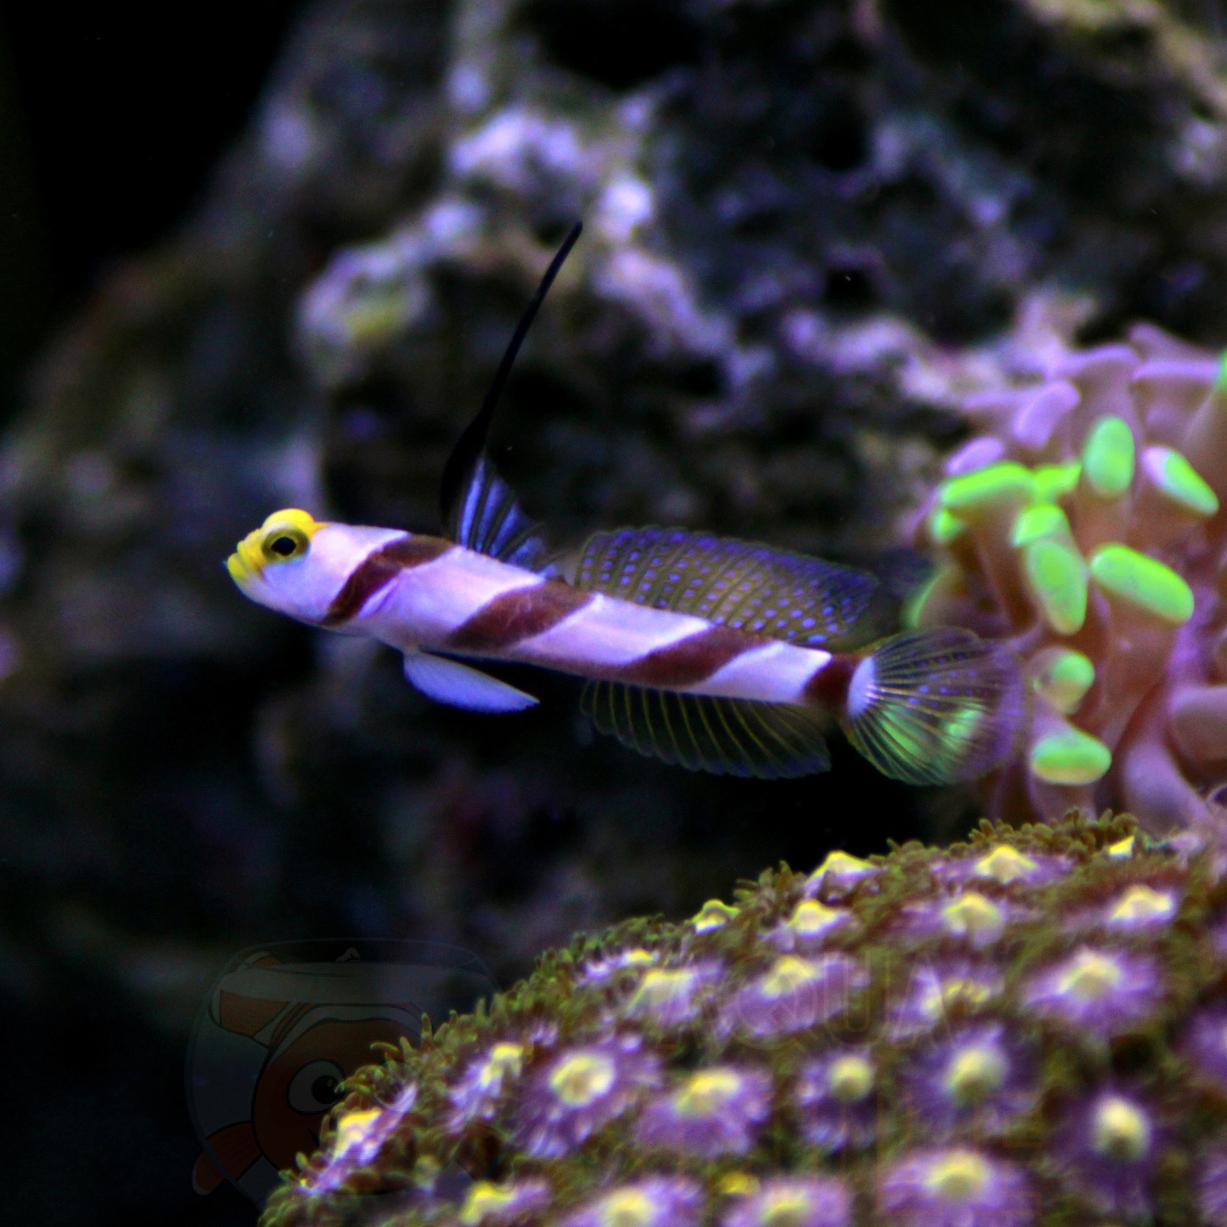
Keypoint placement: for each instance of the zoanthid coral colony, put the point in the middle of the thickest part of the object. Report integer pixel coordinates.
(1026, 1029)
(1084, 522)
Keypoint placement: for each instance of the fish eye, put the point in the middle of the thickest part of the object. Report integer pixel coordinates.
(285, 543)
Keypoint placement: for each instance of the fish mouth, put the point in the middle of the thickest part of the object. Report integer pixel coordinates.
(246, 563)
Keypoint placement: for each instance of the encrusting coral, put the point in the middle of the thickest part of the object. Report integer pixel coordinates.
(1084, 521)
(1028, 1028)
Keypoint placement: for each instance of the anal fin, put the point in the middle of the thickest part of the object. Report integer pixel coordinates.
(449, 681)
(737, 737)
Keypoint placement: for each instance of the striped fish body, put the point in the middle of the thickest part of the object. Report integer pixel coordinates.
(697, 650)
(719, 655)
(451, 599)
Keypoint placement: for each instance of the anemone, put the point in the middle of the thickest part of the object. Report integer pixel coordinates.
(1083, 522)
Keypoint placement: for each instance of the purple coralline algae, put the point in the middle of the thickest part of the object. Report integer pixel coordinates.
(1054, 1055)
(1084, 522)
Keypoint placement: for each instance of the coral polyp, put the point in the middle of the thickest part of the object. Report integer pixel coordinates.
(1084, 523)
(1056, 1057)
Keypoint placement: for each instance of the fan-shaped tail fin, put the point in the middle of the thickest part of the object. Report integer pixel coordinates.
(936, 706)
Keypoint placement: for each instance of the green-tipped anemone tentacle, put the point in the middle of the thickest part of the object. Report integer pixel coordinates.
(1069, 756)
(944, 526)
(1108, 457)
(1055, 481)
(1063, 676)
(1142, 582)
(1056, 579)
(1179, 482)
(1040, 522)
(973, 495)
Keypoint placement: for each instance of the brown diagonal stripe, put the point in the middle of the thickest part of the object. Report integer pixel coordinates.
(517, 615)
(378, 569)
(690, 660)
(828, 684)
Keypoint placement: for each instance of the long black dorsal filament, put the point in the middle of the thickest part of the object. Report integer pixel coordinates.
(472, 441)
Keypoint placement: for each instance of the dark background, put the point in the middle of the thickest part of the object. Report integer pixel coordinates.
(110, 125)
(183, 775)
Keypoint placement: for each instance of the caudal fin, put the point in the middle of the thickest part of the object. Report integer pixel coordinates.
(935, 706)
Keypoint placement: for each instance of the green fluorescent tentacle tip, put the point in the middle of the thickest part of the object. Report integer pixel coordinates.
(1064, 678)
(1142, 582)
(1054, 482)
(999, 485)
(1056, 579)
(1108, 457)
(971, 914)
(1177, 480)
(714, 914)
(1220, 378)
(1041, 522)
(925, 605)
(1070, 757)
(945, 526)
(843, 865)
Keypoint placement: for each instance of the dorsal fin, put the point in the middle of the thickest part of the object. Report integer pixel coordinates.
(770, 741)
(479, 509)
(488, 518)
(736, 583)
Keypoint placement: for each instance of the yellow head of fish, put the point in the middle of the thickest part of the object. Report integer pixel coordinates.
(296, 565)
(274, 564)
(284, 536)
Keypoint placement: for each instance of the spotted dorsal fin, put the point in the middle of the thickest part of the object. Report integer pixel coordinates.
(479, 509)
(739, 584)
(770, 741)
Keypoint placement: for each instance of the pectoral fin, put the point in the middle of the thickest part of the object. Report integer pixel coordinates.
(448, 681)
